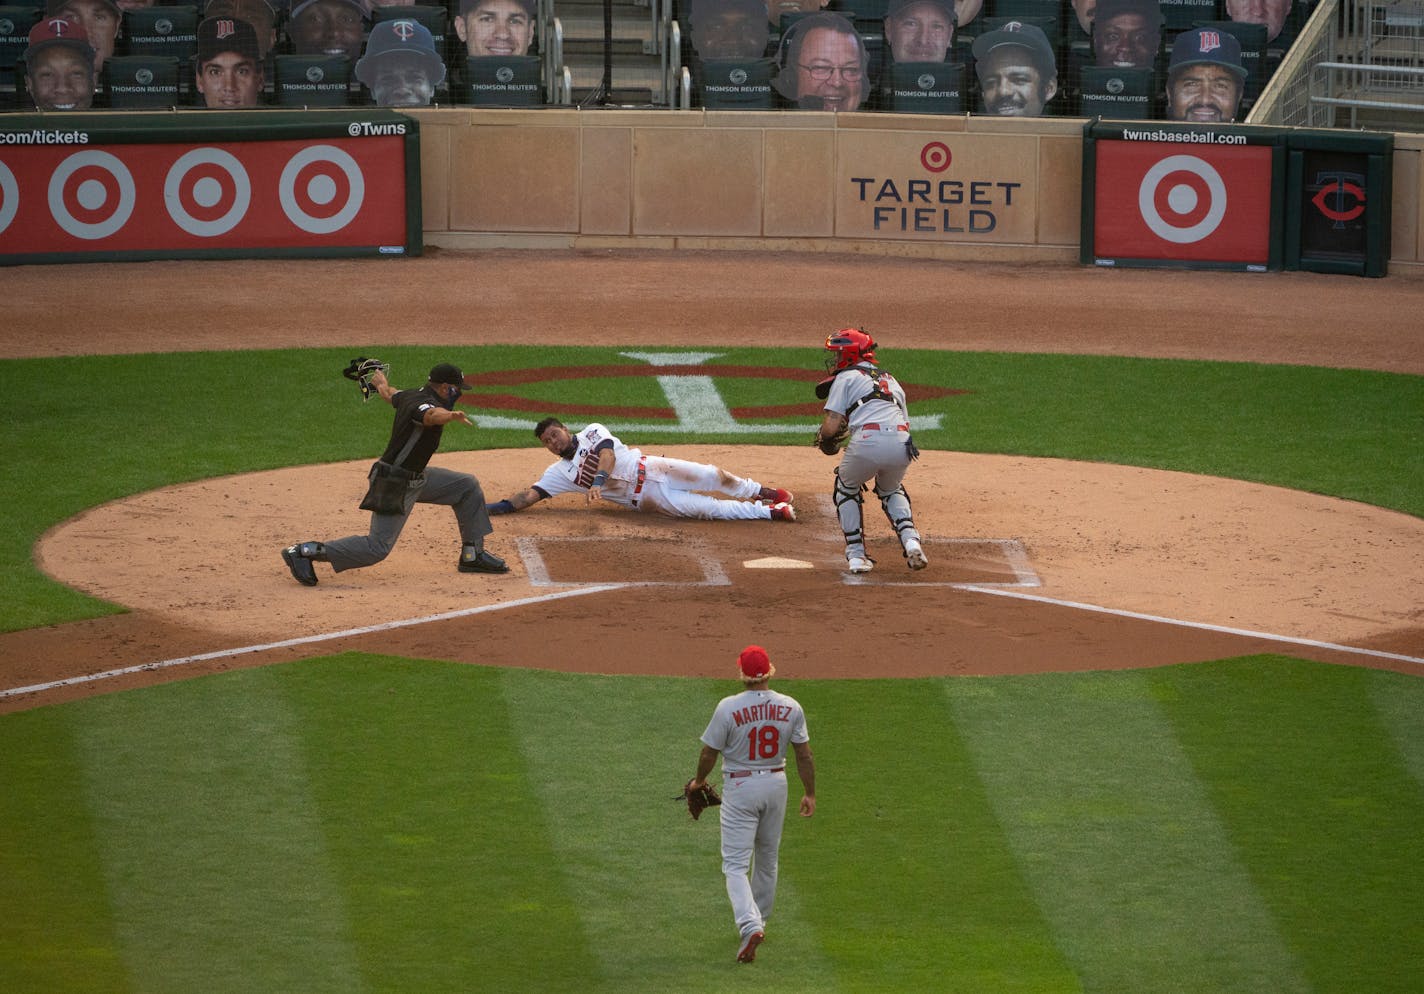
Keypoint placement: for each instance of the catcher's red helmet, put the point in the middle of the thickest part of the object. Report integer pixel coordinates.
(850, 345)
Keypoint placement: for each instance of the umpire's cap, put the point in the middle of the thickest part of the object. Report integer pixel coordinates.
(447, 373)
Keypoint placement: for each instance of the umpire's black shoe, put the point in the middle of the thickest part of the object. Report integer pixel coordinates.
(483, 562)
(302, 570)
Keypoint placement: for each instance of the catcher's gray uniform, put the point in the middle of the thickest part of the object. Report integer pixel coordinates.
(878, 449)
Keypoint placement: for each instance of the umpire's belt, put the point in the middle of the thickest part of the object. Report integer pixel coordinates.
(642, 478)
(746, 773)
(872, 426)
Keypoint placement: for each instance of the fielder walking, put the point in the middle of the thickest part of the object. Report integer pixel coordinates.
(866, 408)
(752, 732)
(421, 417)
(597, 463)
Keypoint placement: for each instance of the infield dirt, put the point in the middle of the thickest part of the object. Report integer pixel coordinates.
(1020, 547)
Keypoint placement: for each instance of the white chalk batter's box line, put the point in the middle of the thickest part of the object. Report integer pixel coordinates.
(713, 575)
(1013, 551)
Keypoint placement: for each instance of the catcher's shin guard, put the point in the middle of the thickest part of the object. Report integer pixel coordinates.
(849, 511)
(896, 506)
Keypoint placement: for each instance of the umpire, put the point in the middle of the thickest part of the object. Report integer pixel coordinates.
(401, 479)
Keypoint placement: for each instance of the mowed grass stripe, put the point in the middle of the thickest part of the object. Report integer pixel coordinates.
(211, 843)
(1320, 805)
(439, 844)
(607, 755)
(1119, 840)
(1396, 699)
(912, 884)
(56, 933)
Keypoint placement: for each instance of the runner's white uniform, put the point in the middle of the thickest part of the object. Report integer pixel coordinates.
(653, 483)
(753, 731)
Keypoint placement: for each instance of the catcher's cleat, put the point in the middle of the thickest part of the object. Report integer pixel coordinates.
(915, 557)
(860, 564)
(302, 570)
(746, 953)
(483, 562)
(783, 512)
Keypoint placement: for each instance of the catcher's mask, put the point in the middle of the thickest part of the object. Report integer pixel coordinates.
(848, 347)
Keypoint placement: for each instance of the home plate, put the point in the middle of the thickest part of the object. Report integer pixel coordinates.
(776, 562)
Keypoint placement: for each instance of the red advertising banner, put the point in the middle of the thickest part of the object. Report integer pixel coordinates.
(70, 196)
(1181, 195)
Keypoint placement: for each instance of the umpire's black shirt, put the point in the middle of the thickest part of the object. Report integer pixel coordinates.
(411, 406)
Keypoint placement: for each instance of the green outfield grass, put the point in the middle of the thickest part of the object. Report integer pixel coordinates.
(369, 824)
(85, 430)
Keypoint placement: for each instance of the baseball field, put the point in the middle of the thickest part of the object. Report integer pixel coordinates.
(1152, 720)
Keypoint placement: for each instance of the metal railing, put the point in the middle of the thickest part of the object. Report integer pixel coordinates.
(1354, 78)
(1352, 56)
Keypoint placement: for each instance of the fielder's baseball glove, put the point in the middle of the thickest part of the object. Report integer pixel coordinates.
(699, 800)
(360, 370)
(830, 444)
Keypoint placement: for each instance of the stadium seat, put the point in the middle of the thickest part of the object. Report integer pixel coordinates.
(1180, 15)
(926, 88)
(502, 81)
(1116, 93)
(1047, 14)
(15, 24)
(734, 84)
(312, 80)
(141, 82)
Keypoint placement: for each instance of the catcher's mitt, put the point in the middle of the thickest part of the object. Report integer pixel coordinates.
(360, 370)
(699, 800)
(830, 444)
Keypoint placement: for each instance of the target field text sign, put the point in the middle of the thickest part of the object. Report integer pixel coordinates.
(227, 185)
(1170, 194)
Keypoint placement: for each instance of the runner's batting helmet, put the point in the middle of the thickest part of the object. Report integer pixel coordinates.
(850, 345)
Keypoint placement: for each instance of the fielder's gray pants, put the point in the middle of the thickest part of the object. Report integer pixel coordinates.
(460, 491)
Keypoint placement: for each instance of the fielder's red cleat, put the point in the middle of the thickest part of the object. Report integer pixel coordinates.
(747, 952)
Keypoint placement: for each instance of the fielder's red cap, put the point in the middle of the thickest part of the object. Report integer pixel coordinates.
(754, 662)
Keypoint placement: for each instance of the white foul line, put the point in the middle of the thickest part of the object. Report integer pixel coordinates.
(305, 640)
(1200, 625)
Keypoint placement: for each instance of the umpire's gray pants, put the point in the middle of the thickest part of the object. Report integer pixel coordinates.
(460, 491)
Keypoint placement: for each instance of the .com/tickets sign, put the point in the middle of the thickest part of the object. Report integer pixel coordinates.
(76, 188)
(1190, 195)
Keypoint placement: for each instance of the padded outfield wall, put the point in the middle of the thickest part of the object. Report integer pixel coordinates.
(929, 186)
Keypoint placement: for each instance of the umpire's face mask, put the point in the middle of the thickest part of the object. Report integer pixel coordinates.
(454, 395)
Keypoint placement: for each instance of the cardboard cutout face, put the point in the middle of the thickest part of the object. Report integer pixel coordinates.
(1012, 84)
(1207, 93)
(829, 69)
(229, 80)
(921, 32)
(496, 27)
(59, 77)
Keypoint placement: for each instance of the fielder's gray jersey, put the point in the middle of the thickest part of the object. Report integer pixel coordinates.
(753, 730)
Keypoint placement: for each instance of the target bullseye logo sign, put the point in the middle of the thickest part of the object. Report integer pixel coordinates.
(1182, 199)
(1202, 201)
(159, 197)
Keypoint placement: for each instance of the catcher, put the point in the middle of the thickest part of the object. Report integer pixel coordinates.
(866, 412)
(401, 478)
(752, 732)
